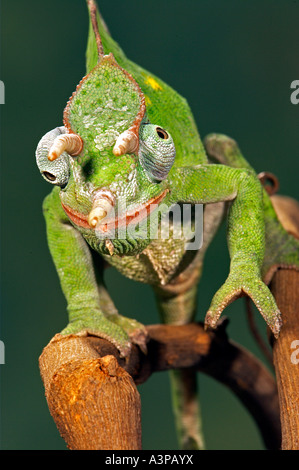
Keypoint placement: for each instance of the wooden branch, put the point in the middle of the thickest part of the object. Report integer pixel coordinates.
(72, 369)
(285, 288)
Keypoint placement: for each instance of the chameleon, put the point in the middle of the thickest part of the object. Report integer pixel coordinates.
(128, 149)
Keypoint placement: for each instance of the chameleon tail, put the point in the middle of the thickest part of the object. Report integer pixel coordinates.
(179, 309)
(186, 409)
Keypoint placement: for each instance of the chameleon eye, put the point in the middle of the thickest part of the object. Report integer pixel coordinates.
(156, 151)
(49, 176)
(57, 171)
(162, 133)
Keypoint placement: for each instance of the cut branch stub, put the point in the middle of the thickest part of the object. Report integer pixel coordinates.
(94, 402)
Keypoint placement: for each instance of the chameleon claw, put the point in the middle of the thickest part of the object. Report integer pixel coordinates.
(102, 329)
(256, 289)
(276, 327)
(140, 338)
(136, 332)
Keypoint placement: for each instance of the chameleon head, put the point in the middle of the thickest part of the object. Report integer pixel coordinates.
(107, 151)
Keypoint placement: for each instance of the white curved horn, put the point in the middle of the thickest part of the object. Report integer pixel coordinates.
(70, 143)
(102, 206)
(127, 142)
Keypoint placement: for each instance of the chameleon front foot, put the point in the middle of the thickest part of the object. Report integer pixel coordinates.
(238, 285)
(102, 328)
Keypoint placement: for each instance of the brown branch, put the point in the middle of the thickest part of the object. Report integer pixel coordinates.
(285, 288)
(71, 365)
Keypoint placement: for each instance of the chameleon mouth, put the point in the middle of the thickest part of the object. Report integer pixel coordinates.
(134, 216)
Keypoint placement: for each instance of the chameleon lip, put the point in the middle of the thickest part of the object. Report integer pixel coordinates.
(81, 220)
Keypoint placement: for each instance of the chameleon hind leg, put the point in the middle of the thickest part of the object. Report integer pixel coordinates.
(178, 309)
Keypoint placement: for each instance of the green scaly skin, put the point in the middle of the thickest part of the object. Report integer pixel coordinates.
(104, 105)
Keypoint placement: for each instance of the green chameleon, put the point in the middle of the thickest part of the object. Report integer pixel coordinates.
(128, 151)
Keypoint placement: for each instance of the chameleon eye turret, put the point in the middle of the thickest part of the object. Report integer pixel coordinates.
(156, 151)
(56, 172)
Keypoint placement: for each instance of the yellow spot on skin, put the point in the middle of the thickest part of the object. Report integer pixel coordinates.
(153, 83)
(147, 100)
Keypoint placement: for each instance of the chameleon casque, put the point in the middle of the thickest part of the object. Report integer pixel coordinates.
(129, 143)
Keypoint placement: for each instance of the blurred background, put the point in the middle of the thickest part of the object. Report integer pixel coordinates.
(234, 62)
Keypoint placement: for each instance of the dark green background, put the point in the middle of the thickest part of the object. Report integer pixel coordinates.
(234, 62)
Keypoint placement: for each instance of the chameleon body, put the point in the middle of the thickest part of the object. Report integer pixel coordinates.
(129, 142)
